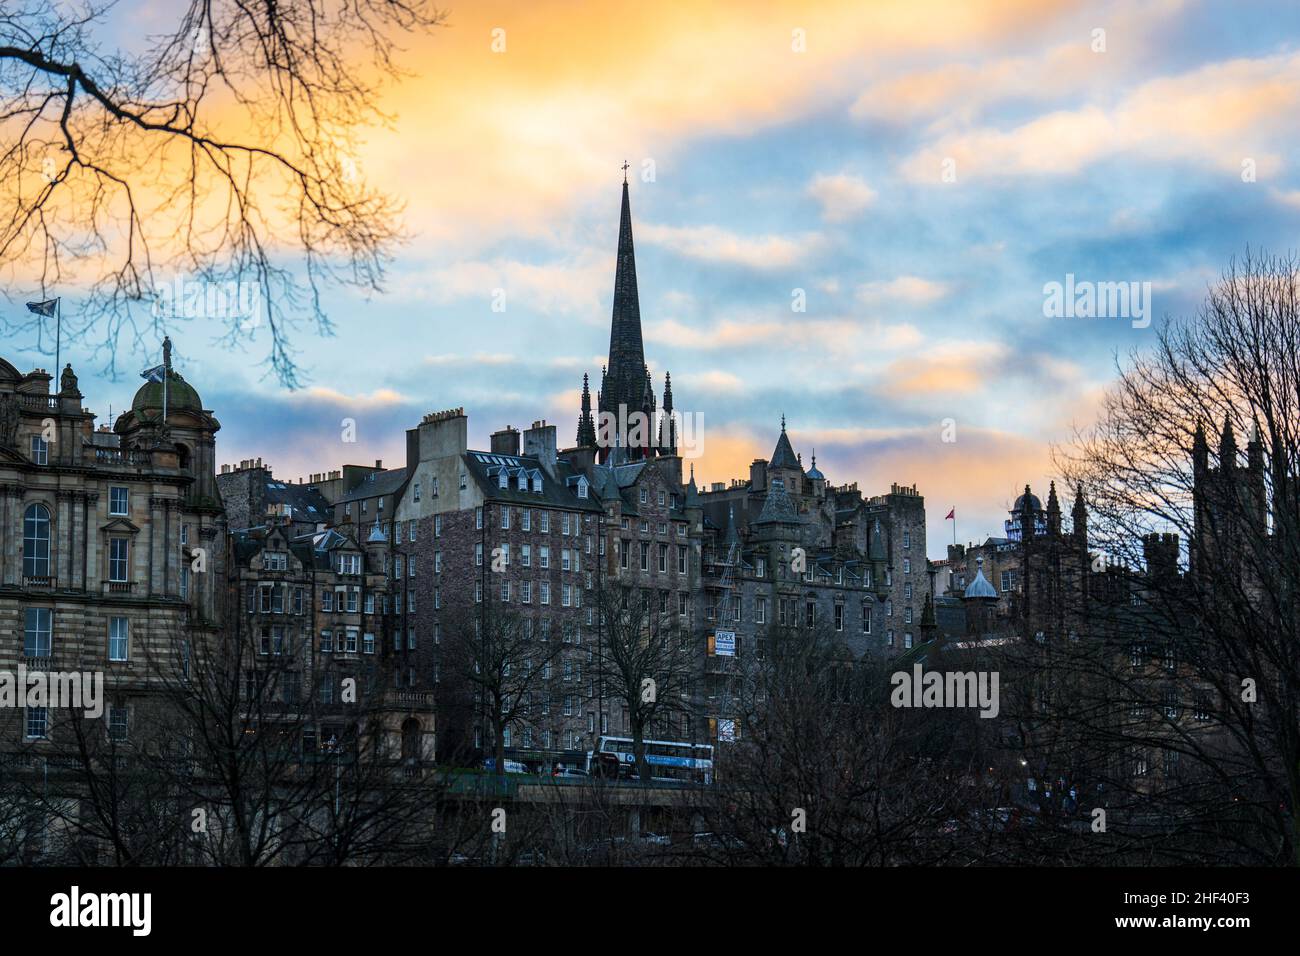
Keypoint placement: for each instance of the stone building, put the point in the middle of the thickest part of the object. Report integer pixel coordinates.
(110, 543)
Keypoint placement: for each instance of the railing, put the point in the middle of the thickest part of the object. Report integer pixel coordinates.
(39, 581)
(43, 402)
(119, 587)
(121, 456)
(45, 663)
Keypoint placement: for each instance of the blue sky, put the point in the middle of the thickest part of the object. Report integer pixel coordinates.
(775, 170)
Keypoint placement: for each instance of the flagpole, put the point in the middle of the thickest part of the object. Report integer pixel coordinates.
(167, 368)
(58, 340)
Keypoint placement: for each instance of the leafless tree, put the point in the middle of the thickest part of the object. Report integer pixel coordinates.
(645, 661)
(497, 660)
(1193, 685)
(224, 151)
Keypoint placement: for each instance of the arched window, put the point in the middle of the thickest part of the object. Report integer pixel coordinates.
(182, 457)
(36, 542)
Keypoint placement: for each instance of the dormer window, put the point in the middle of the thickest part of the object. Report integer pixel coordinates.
(503, 479)
(582, 487)
(537, 484)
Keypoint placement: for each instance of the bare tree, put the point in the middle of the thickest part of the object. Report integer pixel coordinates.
(225, 151)
(503, 666)
(1195, 691)
(645, 661)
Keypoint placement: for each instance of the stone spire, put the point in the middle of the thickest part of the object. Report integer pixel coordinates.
(627, 380)
(667, 426)
(1053, 511)
(586, 425)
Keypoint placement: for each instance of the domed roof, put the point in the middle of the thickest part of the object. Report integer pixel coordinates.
(813, 473)
(180, 395)
(980, 587)
(1034, 503)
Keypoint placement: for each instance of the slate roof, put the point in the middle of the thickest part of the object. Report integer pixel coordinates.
(778, 508)
(783, 455)
(377, 483)
(486, 467)
(306, 501)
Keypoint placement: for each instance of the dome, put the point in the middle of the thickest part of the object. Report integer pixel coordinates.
(980, 587)
(1034, 503)
(180, 395)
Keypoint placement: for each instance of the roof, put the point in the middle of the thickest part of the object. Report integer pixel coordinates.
(783, 455)
(304, 501)
(980, 587)
(778, 508)
(180, 395)
(377, 483)
(557, 492)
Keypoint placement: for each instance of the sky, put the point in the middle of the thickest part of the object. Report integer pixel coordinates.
(918, 171)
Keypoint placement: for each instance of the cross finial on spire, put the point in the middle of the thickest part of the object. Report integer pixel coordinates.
(783, 421)
(625, 167)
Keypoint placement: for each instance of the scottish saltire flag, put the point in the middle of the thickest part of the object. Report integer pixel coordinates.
(155, 374)
(48, 307)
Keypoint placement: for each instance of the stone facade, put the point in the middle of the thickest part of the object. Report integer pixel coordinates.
(110, 542)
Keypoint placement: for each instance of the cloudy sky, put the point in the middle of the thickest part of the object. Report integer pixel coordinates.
(920, 170)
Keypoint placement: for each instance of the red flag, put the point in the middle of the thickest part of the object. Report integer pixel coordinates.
(951, 515)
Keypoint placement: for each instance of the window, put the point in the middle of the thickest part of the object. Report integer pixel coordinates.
(681, 559)
(907, 539)
(38, 723)
(437, 526)
(117, 723)
(462, 481)
(545, 592)
(526, 555)
(866, 619)
(1008, 580)
(437, 562)
(907, 639)
(810, 613)
(681, 603)
(839, 617)
(118, 501)
(478, 519)
(275, 561)
(410, 530)
(663, 558)
(760, 610)
(645, 555)
(326, 643)
(526, 519)
(36, 542)
(117, 559)
(907, 565)
(417, 491)
(40, 451)
(368, 643)
(37, 631)
(526, 592)
(546, 522)
(543, 557)
(505, 518)
(119, 630)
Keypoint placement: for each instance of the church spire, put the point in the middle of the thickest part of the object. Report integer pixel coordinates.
(627, 380)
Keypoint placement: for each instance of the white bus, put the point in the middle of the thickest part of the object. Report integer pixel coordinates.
(668, 760)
